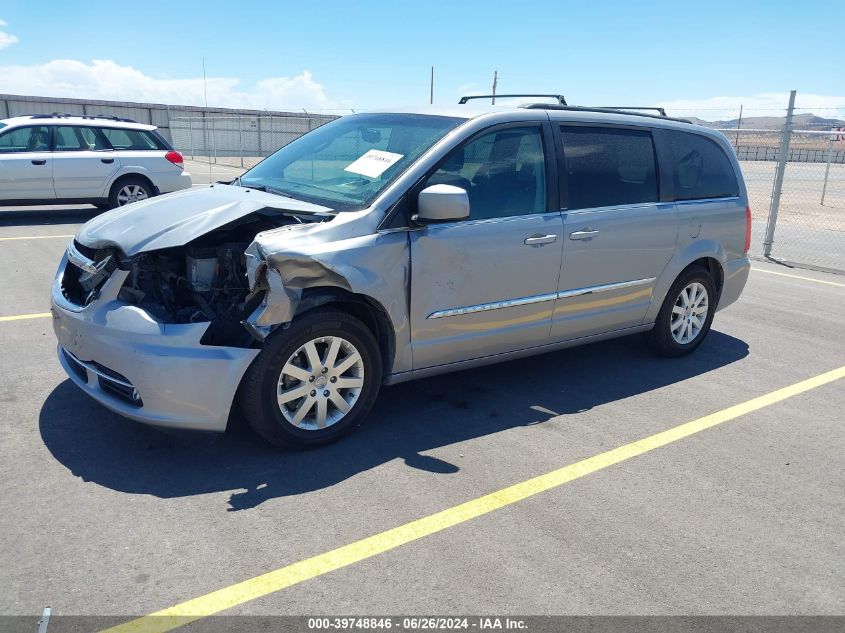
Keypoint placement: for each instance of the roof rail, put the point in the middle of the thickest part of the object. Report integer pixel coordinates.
(54, 115)
(68, 115)
(607, 110)
(109, 117)
(654, 109)
(560, 98)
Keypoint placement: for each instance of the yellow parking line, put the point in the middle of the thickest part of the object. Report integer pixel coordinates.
(20, 317)
(818, 281)
(33, 237)
(239, 593)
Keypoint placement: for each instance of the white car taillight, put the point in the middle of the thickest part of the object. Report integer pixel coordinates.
(175, 158)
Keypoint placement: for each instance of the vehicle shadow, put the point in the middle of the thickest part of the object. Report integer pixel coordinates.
(23, 216)
(408, 420)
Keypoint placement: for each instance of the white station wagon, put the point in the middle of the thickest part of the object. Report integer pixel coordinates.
(67, 159)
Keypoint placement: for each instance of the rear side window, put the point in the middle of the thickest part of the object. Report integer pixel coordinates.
(131, 139)
(697, 166)
(94, 139)
(67, 139)
(25, 139)
(608, 167)
(74, 138)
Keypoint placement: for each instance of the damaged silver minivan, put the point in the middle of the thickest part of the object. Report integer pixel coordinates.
(383, 247)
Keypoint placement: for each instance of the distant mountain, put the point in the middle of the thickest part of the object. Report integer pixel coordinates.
(803, 121)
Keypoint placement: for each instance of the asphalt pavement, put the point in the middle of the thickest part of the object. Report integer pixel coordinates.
(103, 516)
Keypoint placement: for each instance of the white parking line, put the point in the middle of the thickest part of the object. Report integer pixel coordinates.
(33, 237)
(818, 281)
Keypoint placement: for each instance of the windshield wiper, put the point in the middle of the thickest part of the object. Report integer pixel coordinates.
(237, 182)
(266, 189)
(240, 183)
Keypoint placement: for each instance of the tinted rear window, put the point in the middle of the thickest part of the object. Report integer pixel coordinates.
(697, 166)
(132, 139)
(607, 167)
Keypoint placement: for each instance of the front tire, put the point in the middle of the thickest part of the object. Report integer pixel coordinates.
(686, 314)
(313, 381)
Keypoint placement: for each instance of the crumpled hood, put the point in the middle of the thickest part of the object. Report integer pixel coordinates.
(177, 218)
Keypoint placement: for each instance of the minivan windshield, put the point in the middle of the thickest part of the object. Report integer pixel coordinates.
(346, 163)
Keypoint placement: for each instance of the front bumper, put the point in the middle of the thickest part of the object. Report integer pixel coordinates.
(116, 350)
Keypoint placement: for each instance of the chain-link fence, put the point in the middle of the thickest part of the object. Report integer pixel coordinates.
(808, 218)
(240, 141)
(802, 221)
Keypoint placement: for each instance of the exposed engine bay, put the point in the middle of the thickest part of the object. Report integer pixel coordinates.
(204, 280)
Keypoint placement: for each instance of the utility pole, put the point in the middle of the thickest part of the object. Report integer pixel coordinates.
(778, 186)
(205, 121)
(431, 93)
(738, 125)
(495, 82)
(829, 157)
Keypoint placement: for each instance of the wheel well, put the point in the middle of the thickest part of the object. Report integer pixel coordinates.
(715, 269)
(133, 175)
(368, 311)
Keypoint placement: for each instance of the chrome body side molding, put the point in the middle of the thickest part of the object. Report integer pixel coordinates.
(564, 294)
(577, 292)
(482, 307)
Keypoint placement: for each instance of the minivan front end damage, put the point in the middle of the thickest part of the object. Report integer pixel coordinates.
(157, 335)
(164, 334)
(281, 284)
(305, 268)
(142, 368)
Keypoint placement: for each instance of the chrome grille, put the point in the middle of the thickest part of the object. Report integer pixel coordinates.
(113, 383)
(76, 365)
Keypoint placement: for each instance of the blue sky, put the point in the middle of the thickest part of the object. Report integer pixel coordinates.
(373, 54)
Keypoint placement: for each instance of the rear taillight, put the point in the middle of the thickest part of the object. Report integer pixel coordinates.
(174, 157)
(747, 229)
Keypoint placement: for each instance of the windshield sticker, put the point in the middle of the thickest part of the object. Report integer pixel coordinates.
(374, 163)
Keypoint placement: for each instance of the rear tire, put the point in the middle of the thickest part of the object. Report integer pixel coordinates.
(313, 381)
(129, 189)
(686, 314)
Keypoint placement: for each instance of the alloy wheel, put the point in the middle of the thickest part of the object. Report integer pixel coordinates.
(689, 313)
(320, 383)
(131, 193)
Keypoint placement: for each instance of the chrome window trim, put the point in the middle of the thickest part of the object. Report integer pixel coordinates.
(660, 204)
(564, 294)
(731, 198)
(634, 206)
(498, 220)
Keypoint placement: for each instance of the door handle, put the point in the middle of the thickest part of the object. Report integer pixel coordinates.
(540, 239)
(586, 234)
(42, 161)
(107, 161)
